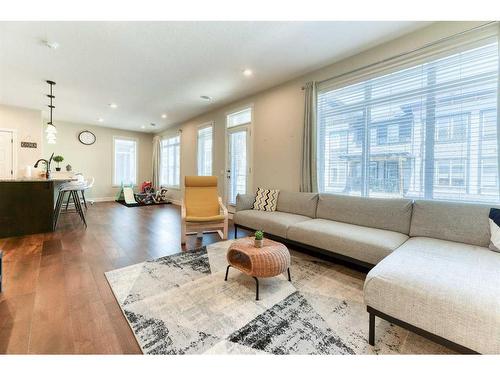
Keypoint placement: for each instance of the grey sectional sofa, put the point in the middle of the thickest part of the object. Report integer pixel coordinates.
(431, 269)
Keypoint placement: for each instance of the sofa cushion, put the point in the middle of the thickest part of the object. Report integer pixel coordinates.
(389, 214)
(369, 245)
(298, 203)
(447, 288)
(276, 222)
(459, 222)
(244, 202)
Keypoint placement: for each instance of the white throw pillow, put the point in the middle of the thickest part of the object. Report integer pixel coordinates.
(495, 229)
(266, 199)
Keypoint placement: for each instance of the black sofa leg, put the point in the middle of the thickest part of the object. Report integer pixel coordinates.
(235, 231)
(371, 329)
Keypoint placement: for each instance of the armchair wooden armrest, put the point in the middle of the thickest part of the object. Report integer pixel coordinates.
(223, 208)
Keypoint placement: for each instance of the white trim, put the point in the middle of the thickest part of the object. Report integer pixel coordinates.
(250, 146)
(165, 138)
(136, 140)
(102, 199)
(15, 150)
(238, 109)
(200, 127)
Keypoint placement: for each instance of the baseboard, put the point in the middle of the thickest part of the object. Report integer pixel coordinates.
(101, 199)
(177, 202)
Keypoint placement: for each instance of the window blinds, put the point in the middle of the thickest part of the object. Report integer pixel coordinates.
(125, 162)
(205, 137)
(170, 161)
(426, 131)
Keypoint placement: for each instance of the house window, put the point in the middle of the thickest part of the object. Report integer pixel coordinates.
(205, 151)
(452, 128)
(450, 173)
(423, 129)
(170, 162)
(124, 161)
(239, 118)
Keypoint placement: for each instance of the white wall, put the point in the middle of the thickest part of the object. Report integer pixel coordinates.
(97, 160)
(279, 111)
(27, 124)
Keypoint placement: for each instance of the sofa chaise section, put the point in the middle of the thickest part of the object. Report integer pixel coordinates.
(446, 288)
(449, 289)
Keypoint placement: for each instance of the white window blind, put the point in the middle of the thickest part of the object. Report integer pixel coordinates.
(205, 137)
(239, 118)
(125, 161)
(170, 162)
(428, 131)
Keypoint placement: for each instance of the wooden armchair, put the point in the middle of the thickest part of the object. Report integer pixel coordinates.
(202, 208)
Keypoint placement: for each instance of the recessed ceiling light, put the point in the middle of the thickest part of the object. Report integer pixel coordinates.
(164, 115)
(113, 105)
(51, 44)
(143, 127)
(206, 98)
(247, 72)
(100, 119)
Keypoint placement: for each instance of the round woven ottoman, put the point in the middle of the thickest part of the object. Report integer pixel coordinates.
(270, 260)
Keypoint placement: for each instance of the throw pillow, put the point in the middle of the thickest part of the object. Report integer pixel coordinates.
(495, 229)
(266, 199)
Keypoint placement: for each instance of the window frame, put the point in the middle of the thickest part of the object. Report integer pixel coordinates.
(210, 124)
(113, 175)
(163, 139)
(422, 175)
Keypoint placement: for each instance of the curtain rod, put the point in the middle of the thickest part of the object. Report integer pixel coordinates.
(408, 52)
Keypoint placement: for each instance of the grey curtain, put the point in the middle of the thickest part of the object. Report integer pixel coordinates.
(309, 181)
(156, 161)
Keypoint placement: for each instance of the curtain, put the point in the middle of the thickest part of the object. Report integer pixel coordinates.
(156, 161)
(308, 181)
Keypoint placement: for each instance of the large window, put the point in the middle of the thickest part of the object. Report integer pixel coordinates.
(205, 144)
(427, 131)
(170, 162)
(125, 161)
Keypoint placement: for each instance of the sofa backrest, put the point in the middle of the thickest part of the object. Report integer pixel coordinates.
(459, 222)
(389, 214)
(298, 203)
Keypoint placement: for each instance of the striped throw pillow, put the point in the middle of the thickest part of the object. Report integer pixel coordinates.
(266, 199)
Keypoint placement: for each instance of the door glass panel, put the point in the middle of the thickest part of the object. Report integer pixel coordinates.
(238, 169)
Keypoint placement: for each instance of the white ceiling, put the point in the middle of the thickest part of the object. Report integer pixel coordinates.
(150, 68)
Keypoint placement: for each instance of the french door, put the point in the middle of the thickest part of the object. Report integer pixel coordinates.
(237, 162)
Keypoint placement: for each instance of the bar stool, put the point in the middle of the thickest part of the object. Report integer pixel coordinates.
(72, 189)
(89, 182)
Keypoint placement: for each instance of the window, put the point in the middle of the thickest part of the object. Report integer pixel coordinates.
(170, 162)
(205, 139)
(125, 161)
(450, 173)
(452, 128)
(239, 118)
(426, 131)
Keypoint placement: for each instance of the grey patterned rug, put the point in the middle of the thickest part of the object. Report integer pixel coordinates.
(180, 304)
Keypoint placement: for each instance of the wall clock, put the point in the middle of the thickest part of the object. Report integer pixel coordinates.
(86, 137)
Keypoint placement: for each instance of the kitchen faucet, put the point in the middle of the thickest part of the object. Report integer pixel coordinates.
(47, 165)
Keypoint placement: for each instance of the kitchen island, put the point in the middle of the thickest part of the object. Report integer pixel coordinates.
(27, 205)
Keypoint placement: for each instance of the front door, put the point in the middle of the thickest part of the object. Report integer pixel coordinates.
(6, 154)
(237, 171)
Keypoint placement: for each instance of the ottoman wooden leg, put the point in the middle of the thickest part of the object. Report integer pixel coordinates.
(289, 277)
(256, 288)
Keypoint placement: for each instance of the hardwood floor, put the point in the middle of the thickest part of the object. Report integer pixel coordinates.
(56, 298)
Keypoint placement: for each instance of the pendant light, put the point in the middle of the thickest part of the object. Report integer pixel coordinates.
(51, 129)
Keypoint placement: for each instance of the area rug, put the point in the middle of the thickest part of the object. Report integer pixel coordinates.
(180, 304)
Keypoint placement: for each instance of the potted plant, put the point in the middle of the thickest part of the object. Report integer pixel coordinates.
(58, 159)
(259, 238)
